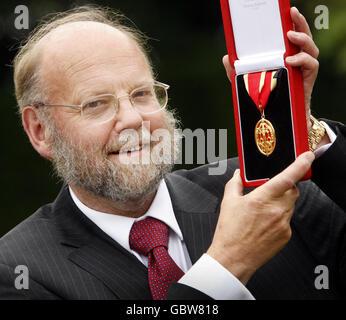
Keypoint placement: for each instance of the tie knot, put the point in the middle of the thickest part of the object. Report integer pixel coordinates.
(147, 235)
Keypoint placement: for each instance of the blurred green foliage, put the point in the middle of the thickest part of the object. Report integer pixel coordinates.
(187, 47)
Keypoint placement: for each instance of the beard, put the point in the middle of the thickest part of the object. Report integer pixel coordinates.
(121, 181)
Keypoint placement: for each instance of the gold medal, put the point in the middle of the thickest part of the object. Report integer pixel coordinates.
(259, 86)
(265, 136)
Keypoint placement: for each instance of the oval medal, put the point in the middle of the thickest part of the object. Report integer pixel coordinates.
(265, 137)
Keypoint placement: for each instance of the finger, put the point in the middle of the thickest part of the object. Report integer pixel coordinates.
(228, 67)
(288, 199)
(304, 61)
(299, 21)
(234, 187)
(292, 196)
(289, 213)
(304, 42)
(287, 179)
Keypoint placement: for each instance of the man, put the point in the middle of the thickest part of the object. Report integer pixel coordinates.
(82, 82)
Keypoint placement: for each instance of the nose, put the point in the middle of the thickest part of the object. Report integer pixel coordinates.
(127, 116)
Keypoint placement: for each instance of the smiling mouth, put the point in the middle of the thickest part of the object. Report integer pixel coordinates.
(129, 150)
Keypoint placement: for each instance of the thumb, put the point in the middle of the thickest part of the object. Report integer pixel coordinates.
(235, 187)
(287, 179)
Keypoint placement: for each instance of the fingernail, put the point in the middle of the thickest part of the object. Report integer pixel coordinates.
(293, 34)
(310, 156)
(236, 172)
(291, 59)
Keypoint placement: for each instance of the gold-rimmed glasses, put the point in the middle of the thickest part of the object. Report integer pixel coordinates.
(146, 99)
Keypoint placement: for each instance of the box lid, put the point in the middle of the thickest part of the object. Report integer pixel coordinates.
(256, 33)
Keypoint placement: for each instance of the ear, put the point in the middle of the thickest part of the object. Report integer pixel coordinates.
(36, 131)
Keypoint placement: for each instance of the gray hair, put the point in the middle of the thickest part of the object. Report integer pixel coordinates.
(28, 88)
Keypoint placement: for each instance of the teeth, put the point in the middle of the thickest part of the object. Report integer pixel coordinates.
(137, 148)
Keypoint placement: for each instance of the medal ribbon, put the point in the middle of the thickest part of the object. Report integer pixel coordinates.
(259, 85)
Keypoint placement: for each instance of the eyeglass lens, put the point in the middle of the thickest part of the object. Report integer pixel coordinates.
(147, 99)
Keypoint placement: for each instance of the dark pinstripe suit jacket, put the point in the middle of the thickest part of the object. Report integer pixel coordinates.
(69, 257)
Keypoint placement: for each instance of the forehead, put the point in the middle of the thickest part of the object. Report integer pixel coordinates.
(90, 54)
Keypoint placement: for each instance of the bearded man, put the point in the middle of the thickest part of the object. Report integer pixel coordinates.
(123, 226)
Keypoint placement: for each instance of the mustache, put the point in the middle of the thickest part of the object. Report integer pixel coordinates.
(127, 139)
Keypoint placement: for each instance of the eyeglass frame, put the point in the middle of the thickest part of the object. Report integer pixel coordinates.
(116, 105)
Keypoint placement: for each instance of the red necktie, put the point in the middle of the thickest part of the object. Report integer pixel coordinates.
(149, 237)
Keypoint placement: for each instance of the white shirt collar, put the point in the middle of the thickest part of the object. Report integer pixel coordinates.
(119, 227)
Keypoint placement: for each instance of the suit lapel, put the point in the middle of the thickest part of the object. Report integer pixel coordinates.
(122, 273)
(196, 212)
(97, 253)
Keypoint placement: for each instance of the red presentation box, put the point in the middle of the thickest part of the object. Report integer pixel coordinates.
(256, 38)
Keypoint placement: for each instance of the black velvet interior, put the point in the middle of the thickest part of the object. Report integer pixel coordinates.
(278, 112)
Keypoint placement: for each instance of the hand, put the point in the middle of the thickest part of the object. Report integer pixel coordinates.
(306, 59)
(252, 228)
